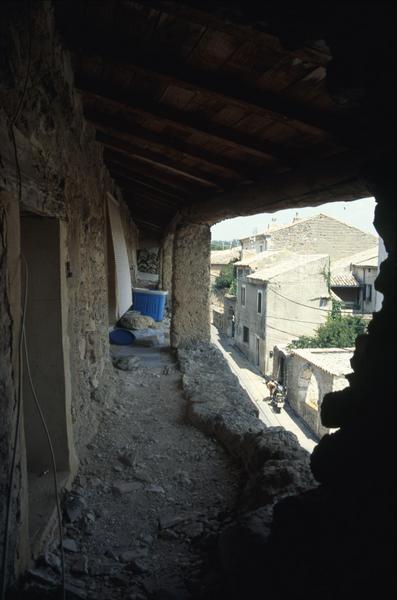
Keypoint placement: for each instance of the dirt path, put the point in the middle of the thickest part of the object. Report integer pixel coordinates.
(150, 494)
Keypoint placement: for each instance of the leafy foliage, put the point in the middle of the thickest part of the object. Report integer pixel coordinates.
(226, 280)
(223, 244)
(338, 331)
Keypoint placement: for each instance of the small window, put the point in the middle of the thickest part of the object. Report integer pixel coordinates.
(323, 301)
(246, 334)
(367, 292)
(261, 248)
(259, 303)
(243, 295)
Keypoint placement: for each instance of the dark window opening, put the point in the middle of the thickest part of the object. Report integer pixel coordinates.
(246, 334)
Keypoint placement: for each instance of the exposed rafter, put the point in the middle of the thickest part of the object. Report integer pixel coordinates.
(189, 122)
(142, 154)
(275, 107)
(169, 145)
(238, 31)
(142, 181)
(132, 188)
(116, 160)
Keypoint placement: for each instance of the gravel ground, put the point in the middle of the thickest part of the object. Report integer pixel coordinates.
(151, 494)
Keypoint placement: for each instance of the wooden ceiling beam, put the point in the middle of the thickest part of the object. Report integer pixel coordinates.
(143, 224)
(131, 188)
(112, 159)
(129, 103)
(135, 152)
(135, 134)
(238, 31)
(274, 106)
(141, 181)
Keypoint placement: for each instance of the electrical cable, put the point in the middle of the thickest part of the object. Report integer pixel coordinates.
(300, 303)
(293, 320)
(50, 446)
(14, 455)
(12, 121)
(23, 346)
(282, 331)
(327, 310)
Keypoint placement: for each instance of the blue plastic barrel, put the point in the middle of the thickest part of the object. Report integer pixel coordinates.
(150, 303)
(121, 337)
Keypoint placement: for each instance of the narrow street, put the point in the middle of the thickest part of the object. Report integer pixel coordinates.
(253, 382)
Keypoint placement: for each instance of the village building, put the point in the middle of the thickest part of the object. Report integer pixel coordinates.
(280, 296)
(352, 281)
(299, 306)
(317, 234)
(221, 258)
(309, 374)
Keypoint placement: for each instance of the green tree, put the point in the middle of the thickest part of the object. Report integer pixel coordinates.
(224, 244)
(226, 280)
(338, 331)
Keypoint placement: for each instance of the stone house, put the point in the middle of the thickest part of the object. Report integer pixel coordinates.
(319, 234)
(353, 278)
(309, 374)
(221, 258)
(223, 317)
(280, 296)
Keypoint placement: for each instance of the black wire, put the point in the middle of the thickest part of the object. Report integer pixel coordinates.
(12, 120)
(13, 460)
(51, 448)
(299, 303)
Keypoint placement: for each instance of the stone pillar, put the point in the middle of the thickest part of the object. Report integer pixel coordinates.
(167, 251)
(191, 284)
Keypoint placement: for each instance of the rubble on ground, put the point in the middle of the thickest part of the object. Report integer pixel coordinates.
(134, 320)
(151, 496)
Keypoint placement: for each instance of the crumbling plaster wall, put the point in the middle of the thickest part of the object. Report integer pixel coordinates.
(190, 284)
(62, 176)
(299, 374)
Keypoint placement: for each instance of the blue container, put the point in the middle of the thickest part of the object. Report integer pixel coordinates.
(150, 303)
(121, 337)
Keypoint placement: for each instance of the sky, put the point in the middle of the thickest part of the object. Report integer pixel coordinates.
(359, 213)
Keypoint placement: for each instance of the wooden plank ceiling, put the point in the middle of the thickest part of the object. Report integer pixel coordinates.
(187, 105)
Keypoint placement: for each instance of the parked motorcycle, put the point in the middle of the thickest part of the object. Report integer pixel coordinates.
(278, 399)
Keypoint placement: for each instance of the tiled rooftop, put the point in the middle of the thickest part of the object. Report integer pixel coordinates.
(289, 263)
(335, 361)
(344, 280)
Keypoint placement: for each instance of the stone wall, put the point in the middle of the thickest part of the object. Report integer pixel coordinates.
(218, 319)
(323, 235)
(191, 281)
(274, 463)
(307, 386)
(62, 176)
